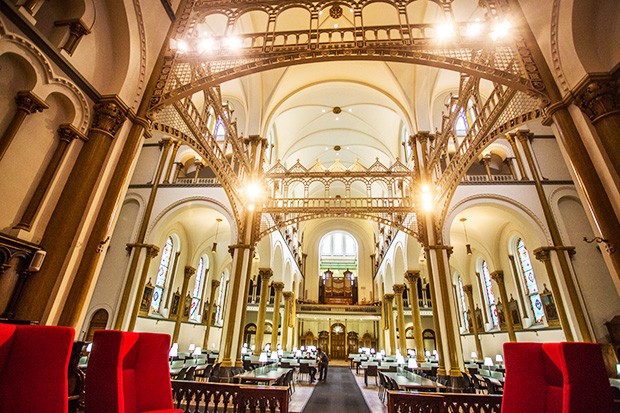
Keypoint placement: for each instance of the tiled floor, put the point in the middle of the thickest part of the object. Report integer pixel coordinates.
(304, 391)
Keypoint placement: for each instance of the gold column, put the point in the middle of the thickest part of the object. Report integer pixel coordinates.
(498, 277)
(515, 149)
(412, 277)
(567, 276)
(543, 254)
(485, 161)
(133, 265)
(171, 162)
(66, 134)
(66, 220)
(198, 164)
(400, 309)
(441, 371)
(509, 162)
(207, 322)
(27, 103)
(513, 266)
(151, 252)
(469, 292)
(189, 271)
(265, 274)
(278, 286)
(288, 300)
(102, 229)
(241, 258)
(292, 323)
(598, 98)
(244, 310)
(441, 253)
(389, 300)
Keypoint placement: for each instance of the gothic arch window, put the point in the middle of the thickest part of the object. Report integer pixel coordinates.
(219, 310)
(220, 131)
(201, 270)
(162, 276)
(462, 302)
(529, 279)
(461, 126)
(490, 297)
(428, 337)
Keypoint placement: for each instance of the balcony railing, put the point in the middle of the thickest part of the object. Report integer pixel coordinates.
(401, 402)
(192, 396)
(487, 178)
(197, 181)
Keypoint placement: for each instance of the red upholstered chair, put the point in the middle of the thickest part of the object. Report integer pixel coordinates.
(33, 368)
(555, 377)
(129, 373)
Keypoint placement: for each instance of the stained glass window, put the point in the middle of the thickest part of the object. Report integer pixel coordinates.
(220, 131)
(219, 311)
(488, 288)
(463, 303)
(460, 128)
(531, 288)
(338, 253)
(194, 311)
(162, 275)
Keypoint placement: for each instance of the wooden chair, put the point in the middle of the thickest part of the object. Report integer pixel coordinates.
(371, 371)
(304, 368)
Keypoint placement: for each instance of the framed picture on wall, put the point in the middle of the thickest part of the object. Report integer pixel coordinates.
(147, 296)
(174, 308)
(513, 309)
(187, 306)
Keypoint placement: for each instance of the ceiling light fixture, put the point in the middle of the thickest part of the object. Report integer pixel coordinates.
(217, 228)
(467, 244)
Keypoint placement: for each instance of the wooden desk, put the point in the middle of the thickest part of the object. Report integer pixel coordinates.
(414, 383)
(262, 375)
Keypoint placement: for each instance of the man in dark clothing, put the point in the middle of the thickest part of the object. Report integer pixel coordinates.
(322, 361)
(312, 369)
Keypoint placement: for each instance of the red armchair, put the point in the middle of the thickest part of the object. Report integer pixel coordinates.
(129, 373)
(33, 368)
(555, 377)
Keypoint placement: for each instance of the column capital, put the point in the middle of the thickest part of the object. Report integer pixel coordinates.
(485, 159)
(498, 276)
(189, 271)
(288, 295)
(152, 251)
(598, 96)
(388, 297)
(265, 273)
(255, 139)
(468, 289)
(399, 289)
(68, 132)
(423, 136)
(278, 286)
(412, 276)
(29, 102)
(523, 135)
(166, 141)
(109, 115)
(542, 254)
(215, 284)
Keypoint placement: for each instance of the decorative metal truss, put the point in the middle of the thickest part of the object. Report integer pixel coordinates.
(187, 101)
(380, 193)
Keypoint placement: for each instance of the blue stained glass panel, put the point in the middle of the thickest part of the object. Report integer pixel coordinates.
(488, 287)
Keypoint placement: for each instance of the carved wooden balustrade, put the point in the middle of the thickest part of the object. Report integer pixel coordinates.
(201, 397)
(406, 402)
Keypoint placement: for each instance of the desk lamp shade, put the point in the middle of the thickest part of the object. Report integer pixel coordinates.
(474, 355)
(263, 358)
(174, 350)
(274, 355)
(499, 358)
(192, 347)
(412, 363)
(488, 361)
(197, 351)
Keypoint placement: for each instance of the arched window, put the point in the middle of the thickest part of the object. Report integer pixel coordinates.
(463, 303)
(488, 289)
(219, 311)
(194, 311)
(220, 131)
(461, 126)
(162, 276)
(531, 288)
(338, 253)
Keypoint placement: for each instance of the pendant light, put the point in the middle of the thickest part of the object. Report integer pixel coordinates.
(217, 228)
(467, 244)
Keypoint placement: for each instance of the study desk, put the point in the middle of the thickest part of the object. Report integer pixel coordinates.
(413, 382)
(262, 375)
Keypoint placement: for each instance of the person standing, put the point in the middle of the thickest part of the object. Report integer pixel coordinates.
(322, 361)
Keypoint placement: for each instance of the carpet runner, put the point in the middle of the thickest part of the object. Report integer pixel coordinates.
(339, 393)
